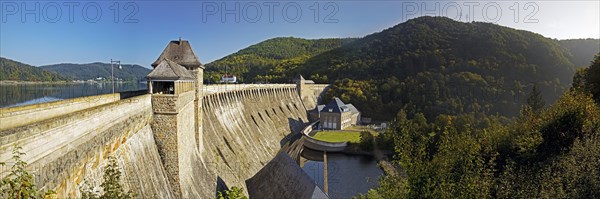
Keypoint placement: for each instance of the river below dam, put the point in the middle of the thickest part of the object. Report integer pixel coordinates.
(348, 175)
(25, 94)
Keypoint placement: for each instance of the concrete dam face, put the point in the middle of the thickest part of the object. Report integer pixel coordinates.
(245, 129)
(160, 153)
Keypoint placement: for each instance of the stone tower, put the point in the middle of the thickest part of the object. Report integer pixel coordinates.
(176, 87)
(305, 89)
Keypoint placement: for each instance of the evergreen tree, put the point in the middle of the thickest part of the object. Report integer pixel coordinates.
(111, 185)
(535, 100)
(592, 78)
(112, 181)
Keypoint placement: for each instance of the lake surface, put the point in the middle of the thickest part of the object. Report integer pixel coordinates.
(348, 175)
(25, 94)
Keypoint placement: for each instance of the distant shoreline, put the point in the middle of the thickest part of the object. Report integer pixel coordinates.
(13, 82)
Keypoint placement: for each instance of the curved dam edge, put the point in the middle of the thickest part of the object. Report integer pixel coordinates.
(314, 144)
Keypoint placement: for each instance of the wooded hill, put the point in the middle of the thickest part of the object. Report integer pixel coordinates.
(274, 60)
(17, 71)
(127, 72)
(429, 64)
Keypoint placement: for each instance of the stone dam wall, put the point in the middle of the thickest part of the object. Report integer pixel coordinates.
(64, 151)
(243, 129)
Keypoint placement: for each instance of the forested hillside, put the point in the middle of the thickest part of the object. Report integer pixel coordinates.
(16, 71)
(432, 65)
(546, 152)
(581, 51)
(436, 65)
(94, 70)
(273, 60)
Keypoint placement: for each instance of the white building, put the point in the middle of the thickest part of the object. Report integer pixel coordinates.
(228, 79)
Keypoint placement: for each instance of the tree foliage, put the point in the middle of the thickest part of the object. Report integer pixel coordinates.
(111, 184)
(588, 79)
(435, 65)
(233, 193)
(432, 65)
(366, 140)
(592, 78)
(274, 60)
(553, 154)
(535, 100)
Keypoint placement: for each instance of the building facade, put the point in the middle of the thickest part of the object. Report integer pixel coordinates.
(336, 115)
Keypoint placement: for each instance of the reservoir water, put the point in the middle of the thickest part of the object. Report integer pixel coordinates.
(348, 175)
(25, 94)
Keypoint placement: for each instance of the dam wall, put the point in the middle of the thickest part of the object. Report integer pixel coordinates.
(69, 150)
(244, 129)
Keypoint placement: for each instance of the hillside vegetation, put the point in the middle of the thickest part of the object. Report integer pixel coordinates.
(436, 65)
(17, 71)
(546, 152)
(432, 65)
(94, 70)
(273, 60)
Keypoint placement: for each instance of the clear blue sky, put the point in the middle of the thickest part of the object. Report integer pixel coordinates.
(86, 31)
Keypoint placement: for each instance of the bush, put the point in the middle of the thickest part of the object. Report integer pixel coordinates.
(233, 193)
(366, 140)
(111, 186)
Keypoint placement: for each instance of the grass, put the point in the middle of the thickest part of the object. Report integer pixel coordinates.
(361, 128)
(338, 136)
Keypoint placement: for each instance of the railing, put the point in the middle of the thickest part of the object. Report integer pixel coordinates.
(219, 88)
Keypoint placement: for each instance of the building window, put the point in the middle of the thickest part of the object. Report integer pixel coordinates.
(163, 87)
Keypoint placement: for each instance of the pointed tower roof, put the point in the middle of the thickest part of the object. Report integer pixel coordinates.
(180, 51)
(169, 70)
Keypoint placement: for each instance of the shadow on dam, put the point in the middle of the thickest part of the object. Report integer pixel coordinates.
(291, 144)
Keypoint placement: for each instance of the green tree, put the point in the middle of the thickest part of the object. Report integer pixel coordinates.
(592, 78)
(535, 100)
(111, 184)
(233, 193)
(366, 140)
